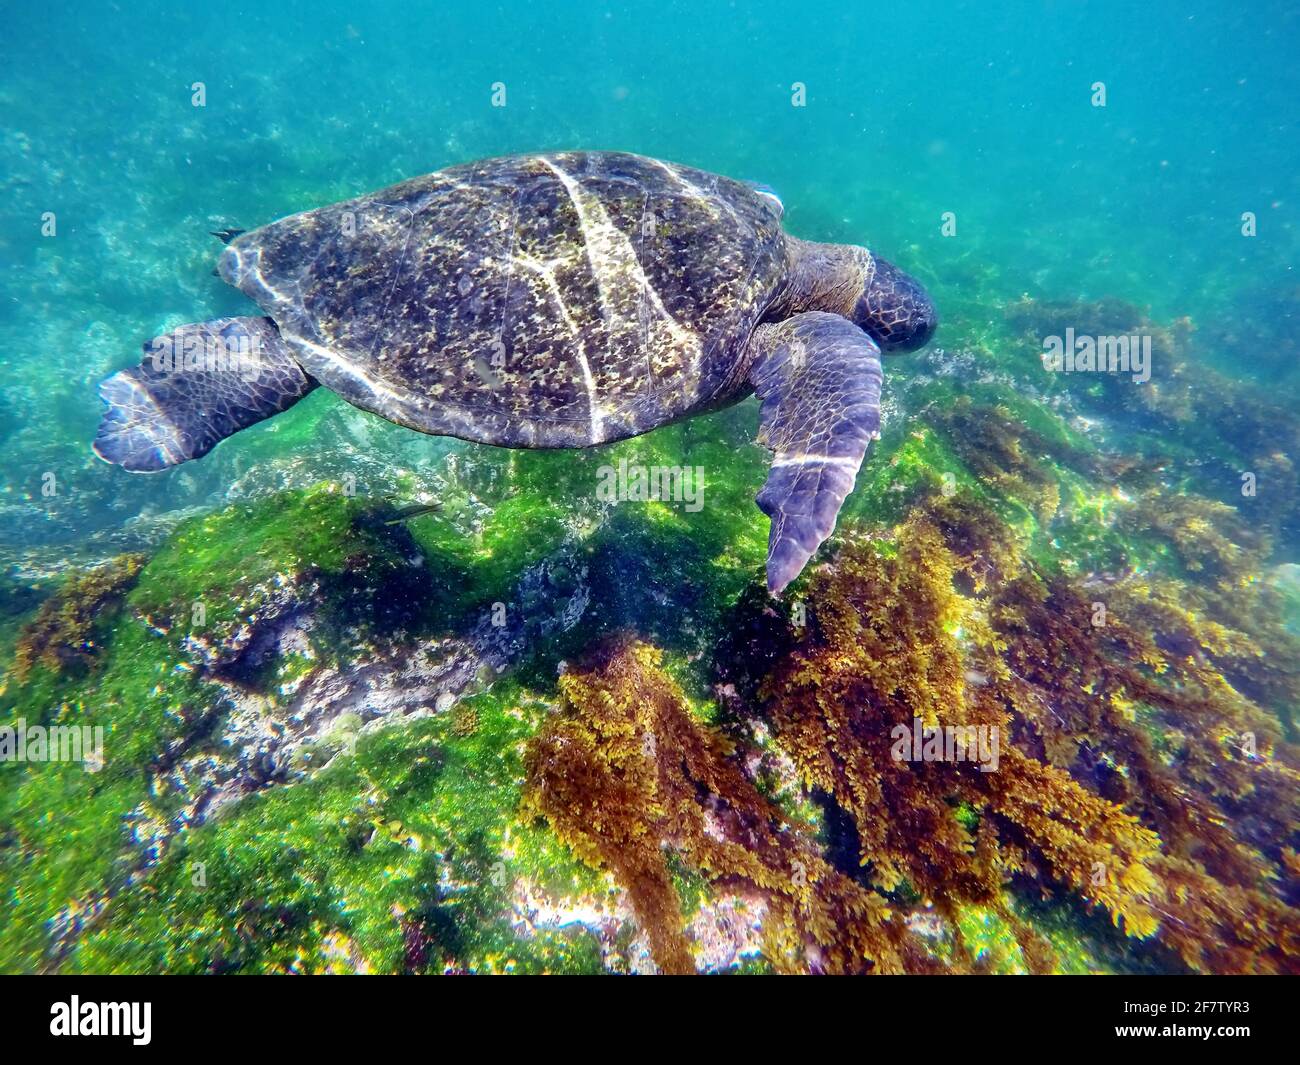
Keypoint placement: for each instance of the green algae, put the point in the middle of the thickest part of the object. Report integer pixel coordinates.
(411, 835)
(68, 841)
(471, 569)
(64, 824)
(222, 567)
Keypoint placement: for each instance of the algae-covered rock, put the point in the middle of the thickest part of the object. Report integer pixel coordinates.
(62, 635)
(231, 588)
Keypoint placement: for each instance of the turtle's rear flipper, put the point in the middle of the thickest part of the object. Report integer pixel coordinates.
(818, 376)
(197, 385)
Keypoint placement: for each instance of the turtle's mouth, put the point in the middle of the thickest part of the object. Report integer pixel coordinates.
(919, 329)
(768, 195)
(895, 310)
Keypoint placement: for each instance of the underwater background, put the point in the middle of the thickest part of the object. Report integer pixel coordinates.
(532, 731)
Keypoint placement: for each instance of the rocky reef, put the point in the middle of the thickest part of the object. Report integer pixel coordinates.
(522, 728)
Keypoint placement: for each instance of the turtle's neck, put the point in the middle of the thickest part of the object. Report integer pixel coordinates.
(821, 277)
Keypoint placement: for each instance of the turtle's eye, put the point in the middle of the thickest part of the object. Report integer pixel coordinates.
(769, 194)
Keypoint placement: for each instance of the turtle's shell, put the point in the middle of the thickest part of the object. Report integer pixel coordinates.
(532, 301)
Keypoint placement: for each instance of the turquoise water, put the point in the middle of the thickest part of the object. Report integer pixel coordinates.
(876, 123)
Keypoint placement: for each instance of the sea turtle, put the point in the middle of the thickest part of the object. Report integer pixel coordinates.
(546, 301)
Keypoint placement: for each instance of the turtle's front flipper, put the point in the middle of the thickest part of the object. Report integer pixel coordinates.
(197, 385)
(818, 376)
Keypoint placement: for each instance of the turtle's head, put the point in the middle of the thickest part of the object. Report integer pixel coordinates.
(892, 308)
(768, 195)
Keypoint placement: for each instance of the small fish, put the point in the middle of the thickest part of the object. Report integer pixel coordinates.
(414, 510)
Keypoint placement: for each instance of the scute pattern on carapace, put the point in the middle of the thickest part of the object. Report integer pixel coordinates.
(557, 300)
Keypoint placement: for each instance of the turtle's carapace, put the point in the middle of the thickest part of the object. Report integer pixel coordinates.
(559, 300)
